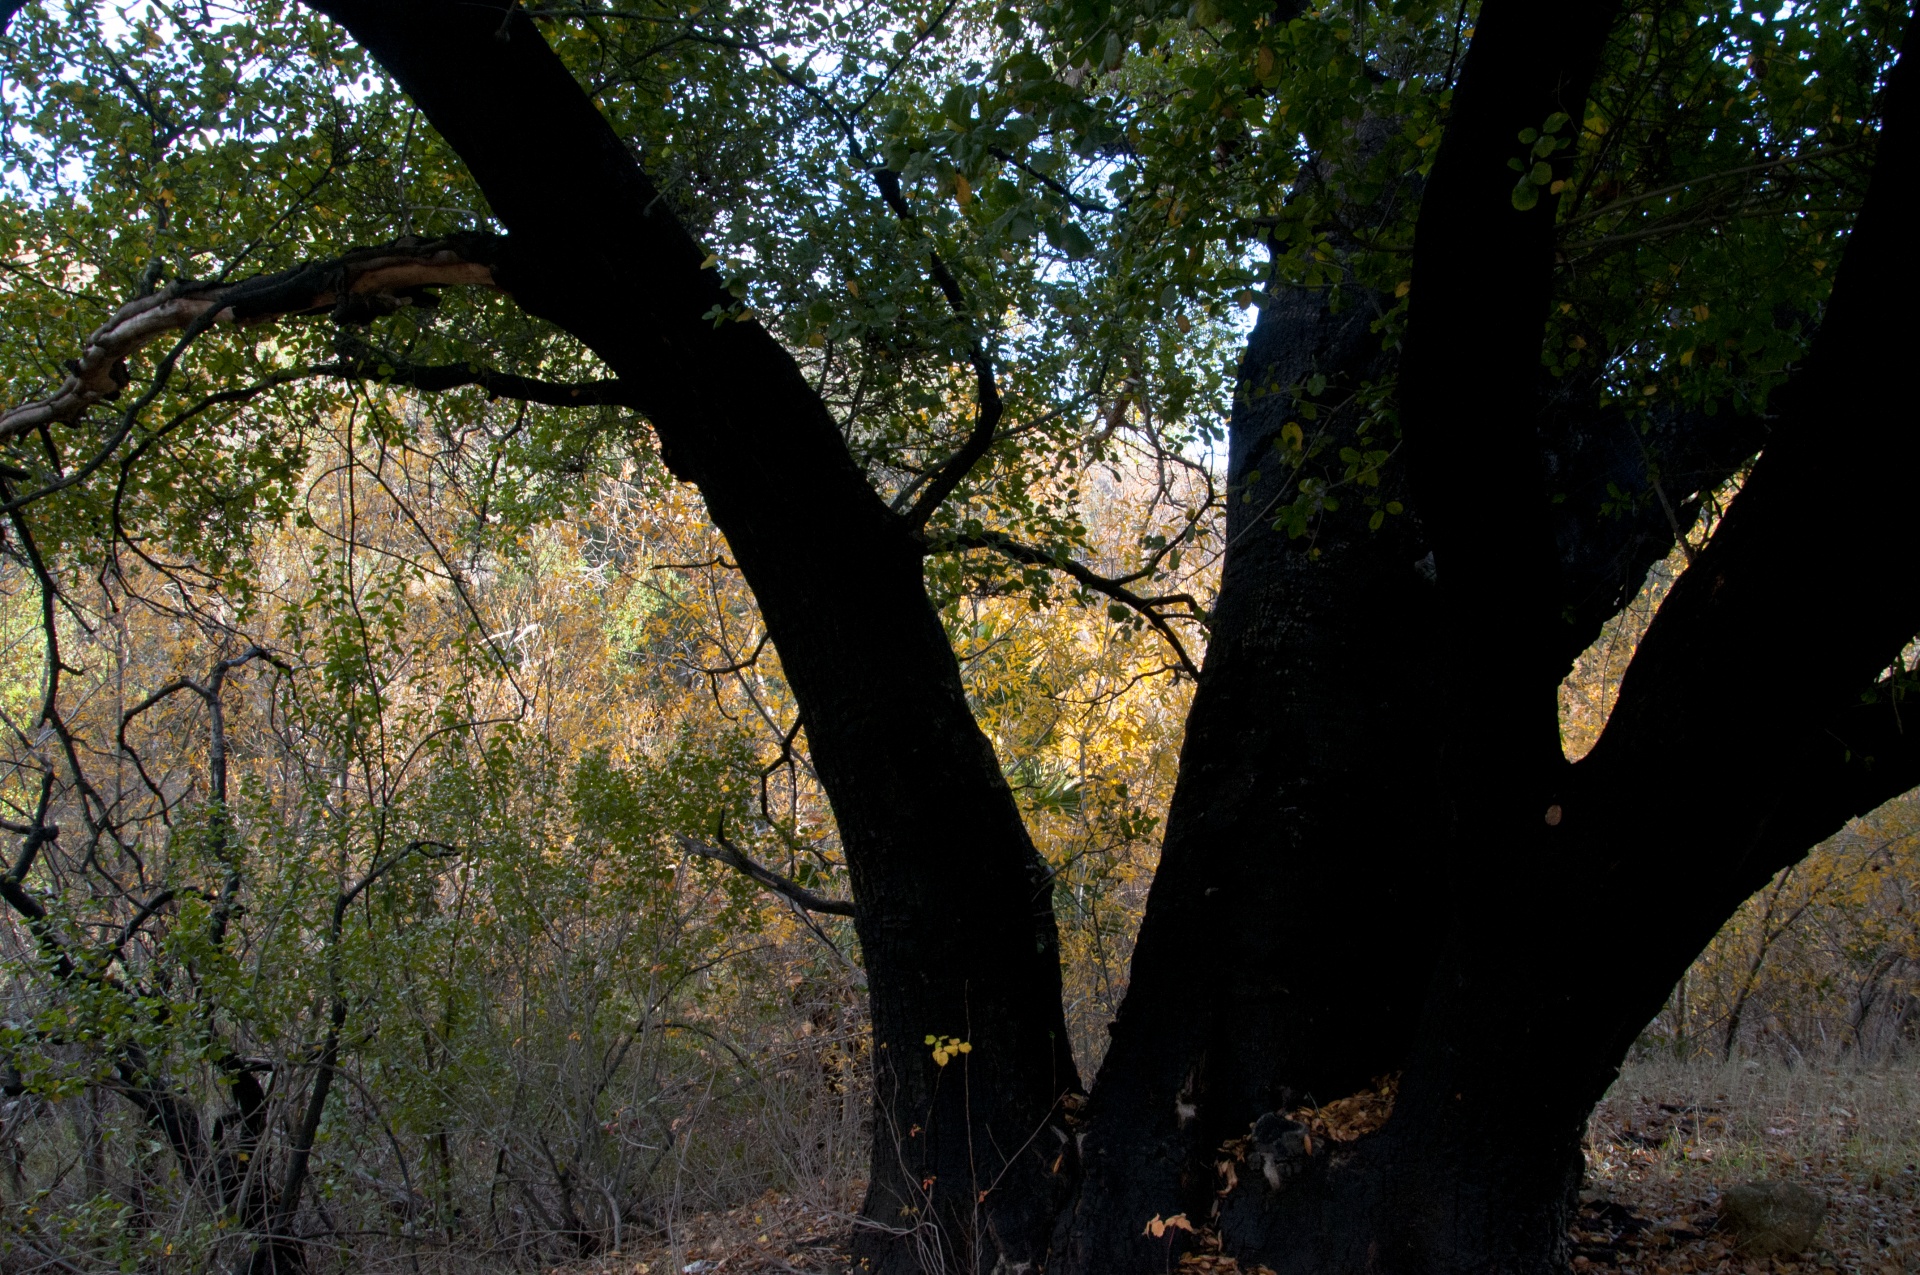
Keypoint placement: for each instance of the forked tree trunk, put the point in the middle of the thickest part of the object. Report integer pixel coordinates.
(1503, 1018)
(1377, 859)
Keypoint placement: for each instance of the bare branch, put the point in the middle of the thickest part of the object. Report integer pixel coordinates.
(362, 362)
(987, 420)
(1147, 608)
(358, 285)
(729, 854)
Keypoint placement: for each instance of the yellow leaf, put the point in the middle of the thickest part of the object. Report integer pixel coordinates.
(962, 192)
(1403, 287)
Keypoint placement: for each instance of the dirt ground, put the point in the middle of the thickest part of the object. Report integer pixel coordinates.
(1670, 1137)
(1663, 1145)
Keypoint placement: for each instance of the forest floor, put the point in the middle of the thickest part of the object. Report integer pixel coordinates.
(1666, 1141)
(1670, 1137)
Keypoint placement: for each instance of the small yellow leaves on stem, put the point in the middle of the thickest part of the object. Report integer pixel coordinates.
(947, 1048)
(1159, 1226)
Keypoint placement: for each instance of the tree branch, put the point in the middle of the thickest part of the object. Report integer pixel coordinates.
(1147, 608)
(1482, 282)
(987, 419)
(360, 361)
(354, 287)
(730, 854)
(1869, 754)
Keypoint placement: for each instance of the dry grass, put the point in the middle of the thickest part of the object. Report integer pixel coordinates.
(1670, 1136)
(774, 1233)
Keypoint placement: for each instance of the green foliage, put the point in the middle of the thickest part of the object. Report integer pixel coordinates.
(511, 667)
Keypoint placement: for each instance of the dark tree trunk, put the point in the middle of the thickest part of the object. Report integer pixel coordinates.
(1377, 860)
(1417, 777)
(953, 904)
(1306, 790)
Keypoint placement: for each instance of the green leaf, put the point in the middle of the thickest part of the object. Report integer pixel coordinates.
(1071, 240)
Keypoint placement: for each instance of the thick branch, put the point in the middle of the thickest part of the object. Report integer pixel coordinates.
(1469, 379)
(730, 854)
(356, 286)
(1786, 618)
(1869, 753)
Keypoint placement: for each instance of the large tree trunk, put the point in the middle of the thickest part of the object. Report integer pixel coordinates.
(953, 904)
(1377, 859)
(1282, 954)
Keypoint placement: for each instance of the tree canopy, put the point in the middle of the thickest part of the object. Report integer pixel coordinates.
(1368, 357)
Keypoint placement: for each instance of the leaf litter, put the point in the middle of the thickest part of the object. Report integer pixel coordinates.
(1663, 1145)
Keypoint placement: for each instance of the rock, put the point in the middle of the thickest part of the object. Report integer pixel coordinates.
(1765, 1219)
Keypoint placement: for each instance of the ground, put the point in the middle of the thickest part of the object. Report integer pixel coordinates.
(1668, 1138)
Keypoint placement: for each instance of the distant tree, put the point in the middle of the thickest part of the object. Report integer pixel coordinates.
(1541, 283)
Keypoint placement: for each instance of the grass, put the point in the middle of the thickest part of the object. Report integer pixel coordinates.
(1663, 1144)
(1671, 1135)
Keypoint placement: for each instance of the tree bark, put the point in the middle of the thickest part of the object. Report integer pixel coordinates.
(953, 904)
(1474, 971)
(1305, 784)
(1377, 859)
(1740, 687)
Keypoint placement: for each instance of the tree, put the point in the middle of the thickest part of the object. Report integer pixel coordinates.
(1378, 861)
